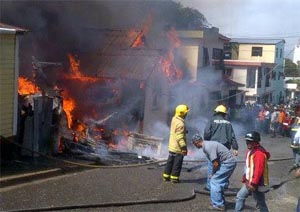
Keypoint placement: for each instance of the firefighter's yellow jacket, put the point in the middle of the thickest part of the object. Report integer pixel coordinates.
(177, 140)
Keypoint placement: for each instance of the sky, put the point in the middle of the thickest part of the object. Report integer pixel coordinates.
(253, 18)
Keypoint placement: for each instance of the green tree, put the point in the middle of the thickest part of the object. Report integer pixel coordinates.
(291, 69)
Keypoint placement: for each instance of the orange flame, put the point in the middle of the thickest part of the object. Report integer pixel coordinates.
(173, 38)
(68, 106)
(80, 128)
(27, 87)
(75, 71)
(140, 40)
(167, 62)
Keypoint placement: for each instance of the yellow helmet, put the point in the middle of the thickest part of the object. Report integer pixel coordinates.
(221, 109)
(181, 110)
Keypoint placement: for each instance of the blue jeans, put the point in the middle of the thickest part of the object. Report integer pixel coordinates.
(296, 157)
(220, 181)
(242, 195)
(209, 173)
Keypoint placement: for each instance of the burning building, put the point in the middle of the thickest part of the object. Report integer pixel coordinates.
(122, 89)
(125, 85)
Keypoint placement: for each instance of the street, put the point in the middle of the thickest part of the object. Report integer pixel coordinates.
(120, 189)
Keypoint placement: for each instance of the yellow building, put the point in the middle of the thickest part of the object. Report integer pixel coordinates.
(9, 73)
(258, 64)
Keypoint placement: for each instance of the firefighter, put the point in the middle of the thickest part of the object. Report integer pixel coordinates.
(219, 129)
(177, 145)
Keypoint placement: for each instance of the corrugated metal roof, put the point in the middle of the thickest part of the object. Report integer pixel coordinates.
(120, 39)
(116, 58)
(256, 40)
(131, 63)
(6, 27)
(223, 37)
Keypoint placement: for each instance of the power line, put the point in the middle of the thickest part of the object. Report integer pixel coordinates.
(286, 34)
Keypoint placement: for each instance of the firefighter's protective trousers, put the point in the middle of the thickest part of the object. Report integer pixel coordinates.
(173, 166)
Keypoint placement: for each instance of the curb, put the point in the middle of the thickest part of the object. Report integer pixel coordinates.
(22, 178)
(36, 175)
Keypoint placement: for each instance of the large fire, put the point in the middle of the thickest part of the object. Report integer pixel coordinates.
(168, 65)
(27, 87)
(76, 86)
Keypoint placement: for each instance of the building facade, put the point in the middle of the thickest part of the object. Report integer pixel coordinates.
(203, 51)
(259, 65)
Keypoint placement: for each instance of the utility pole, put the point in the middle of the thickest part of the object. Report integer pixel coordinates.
(39, 75)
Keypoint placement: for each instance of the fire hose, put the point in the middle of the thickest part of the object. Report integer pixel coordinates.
(266, 189)
(109, 204)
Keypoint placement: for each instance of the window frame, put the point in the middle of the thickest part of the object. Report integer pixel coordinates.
(256, 51)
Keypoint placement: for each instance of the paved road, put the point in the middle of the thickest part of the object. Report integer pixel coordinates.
(100, 186)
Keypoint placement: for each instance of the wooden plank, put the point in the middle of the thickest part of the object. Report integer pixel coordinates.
(6, 79)
(6, 117)
(6, 61)
(6, 127)
(7, 83)
(6, 88)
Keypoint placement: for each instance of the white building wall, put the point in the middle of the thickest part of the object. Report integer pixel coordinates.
(296, 56)
(240, 76)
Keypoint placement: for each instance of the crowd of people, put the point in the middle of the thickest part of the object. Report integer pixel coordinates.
(220, 147)
(276, 120)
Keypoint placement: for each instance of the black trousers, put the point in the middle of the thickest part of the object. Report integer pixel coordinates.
(173, 166)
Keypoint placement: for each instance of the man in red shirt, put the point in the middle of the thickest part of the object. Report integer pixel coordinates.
(256, 173)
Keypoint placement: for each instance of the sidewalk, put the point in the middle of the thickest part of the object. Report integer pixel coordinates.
(27, 169)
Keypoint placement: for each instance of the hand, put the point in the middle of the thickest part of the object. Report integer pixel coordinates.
(235, 152)
(251, 187)
(215, 165)
(184, 152)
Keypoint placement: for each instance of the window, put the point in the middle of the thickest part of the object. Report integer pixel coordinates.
(250, 83)
(259, 77)
(227, 74)
(227, 50)
(276, 52)
(205, 57)
(217, 54)
(273, 75)
(256, 51)
(280, 53)
(268, 73)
